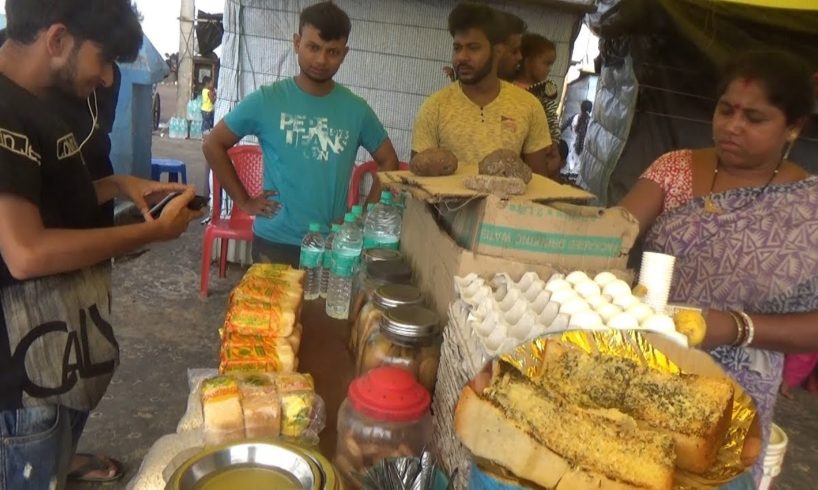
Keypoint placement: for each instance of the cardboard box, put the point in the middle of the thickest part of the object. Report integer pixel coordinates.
(564, 235)
(436, 258)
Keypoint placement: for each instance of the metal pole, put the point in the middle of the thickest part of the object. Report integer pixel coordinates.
(184, 86)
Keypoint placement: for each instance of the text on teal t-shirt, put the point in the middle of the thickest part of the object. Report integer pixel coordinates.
(309, 145)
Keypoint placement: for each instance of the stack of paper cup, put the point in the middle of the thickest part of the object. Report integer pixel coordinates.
(656, 275)
(774, 457)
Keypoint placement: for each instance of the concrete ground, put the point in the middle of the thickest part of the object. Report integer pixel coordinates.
(164, 328)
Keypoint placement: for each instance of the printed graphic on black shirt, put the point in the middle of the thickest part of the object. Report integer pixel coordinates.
(56, 341)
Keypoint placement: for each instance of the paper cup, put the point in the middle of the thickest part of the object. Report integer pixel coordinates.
(656, 275)
(773, 457)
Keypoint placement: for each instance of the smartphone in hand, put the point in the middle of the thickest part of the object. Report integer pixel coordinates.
(195, 204)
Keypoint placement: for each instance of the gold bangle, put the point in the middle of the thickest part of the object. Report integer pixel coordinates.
(741, 328)
(751, 329)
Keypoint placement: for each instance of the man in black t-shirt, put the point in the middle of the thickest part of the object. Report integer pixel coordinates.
(57, 346)
(91, 120)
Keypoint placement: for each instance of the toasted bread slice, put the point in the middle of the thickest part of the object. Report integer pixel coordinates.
(489, 432)
(694, 410)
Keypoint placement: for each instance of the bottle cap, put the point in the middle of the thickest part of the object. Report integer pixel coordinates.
(357, 210)
(386, 197)
(315, 227)
(335, 227)
(349, 218)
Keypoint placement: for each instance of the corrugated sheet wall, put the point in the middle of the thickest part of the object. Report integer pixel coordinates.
(397, 51)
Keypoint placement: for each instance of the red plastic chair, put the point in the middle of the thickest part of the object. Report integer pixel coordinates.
(370, 167)
(249, 164)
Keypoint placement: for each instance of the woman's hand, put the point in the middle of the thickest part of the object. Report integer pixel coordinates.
(721, 329)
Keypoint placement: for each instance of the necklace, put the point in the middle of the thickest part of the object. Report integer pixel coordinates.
(710, 207)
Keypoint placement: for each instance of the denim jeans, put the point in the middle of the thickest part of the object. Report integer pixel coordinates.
(36, 446)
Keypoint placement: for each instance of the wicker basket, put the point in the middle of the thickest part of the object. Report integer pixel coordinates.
(460, 360)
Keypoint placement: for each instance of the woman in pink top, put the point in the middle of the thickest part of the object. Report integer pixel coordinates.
(742, 221)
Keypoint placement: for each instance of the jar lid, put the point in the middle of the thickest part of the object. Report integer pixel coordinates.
(391, 271)
(410, 323)
(389, 394)
(381, 254)
(393, 295)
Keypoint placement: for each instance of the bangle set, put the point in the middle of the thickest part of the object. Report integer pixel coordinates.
(745, 328)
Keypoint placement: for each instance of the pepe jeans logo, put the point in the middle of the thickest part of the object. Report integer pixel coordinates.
(67, 147)
(76, 361)
(19, 144)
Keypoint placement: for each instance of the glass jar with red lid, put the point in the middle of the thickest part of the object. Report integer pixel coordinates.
(385, 415)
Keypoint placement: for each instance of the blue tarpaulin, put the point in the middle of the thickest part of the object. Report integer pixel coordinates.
(133, 126)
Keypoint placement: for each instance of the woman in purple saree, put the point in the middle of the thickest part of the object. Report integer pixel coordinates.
(742, 222)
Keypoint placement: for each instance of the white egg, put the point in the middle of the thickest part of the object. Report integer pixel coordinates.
(604, 278)
(564, 296)
(597, 301)
(587, 289)
(556, 275)
(586, 320)
(608, 311)
(574, 306)
(626, 301)
(623, 321)
(616, 288)
(577, 277)
(640, 311)
(659, 323)
(555, 285)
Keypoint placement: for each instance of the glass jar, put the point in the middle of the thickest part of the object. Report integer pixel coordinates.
(378, 274)
(385, 415)
(409, 337)
(369, 318)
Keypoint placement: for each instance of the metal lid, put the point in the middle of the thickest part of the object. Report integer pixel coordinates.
(392, 295)
(390, 271)
(410, 324)
(381, 254)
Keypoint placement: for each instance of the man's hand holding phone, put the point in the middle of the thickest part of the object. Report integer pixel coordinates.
(176, 211)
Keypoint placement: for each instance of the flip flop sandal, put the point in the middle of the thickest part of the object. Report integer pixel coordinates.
(97, 464)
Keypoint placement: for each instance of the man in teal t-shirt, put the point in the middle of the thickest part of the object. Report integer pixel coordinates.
(310, 129)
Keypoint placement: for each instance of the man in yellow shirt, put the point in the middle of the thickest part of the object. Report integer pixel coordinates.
(208, 101)
(479, 113)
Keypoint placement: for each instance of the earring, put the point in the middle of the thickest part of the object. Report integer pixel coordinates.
(790, 144)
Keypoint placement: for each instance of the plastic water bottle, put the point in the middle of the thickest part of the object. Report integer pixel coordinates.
(358, 211)
(312, 251)
(346, 248)
(326, 266)
(382, 227)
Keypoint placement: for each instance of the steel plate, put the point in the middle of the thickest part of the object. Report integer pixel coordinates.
(250, 465)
